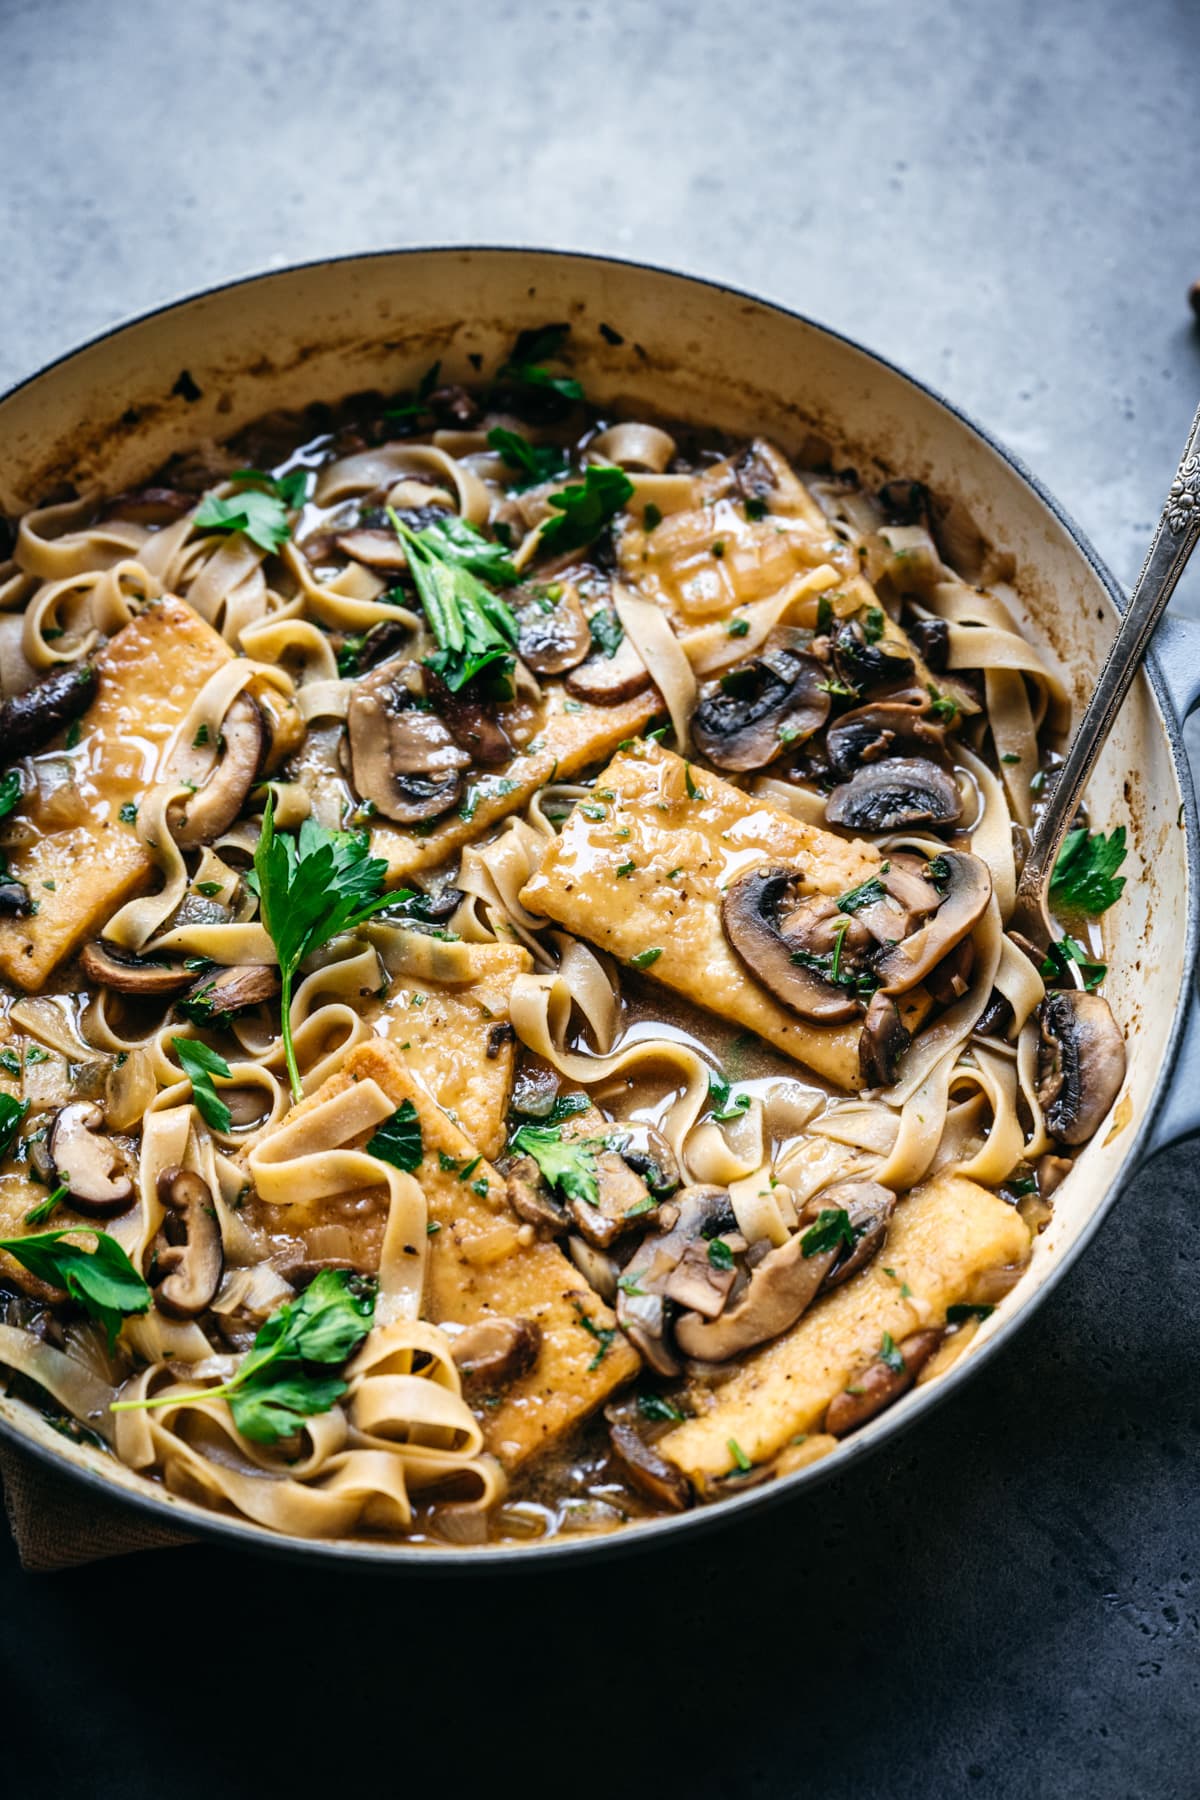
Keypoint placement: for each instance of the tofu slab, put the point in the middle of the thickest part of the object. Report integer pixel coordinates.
(659, 888)
(481, 1263)
(149, 674)
(448, 1012)
(944, 1237)
(572, 736)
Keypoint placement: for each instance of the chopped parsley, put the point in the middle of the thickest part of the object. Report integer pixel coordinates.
(832, 1231)
(535, 463)
(942, 706)
(652, 516)
(744, 1465)
(658, 1410)
(259, 511)
(1085, 878)
(526, 362)
(865, 894)
(738, 628)
(644, 958)
(568, 1167)
(10, 793)
(200, 1063)
(725, 1104)
(719, 1254)
(398, 1140)
(583, 509)
(128, 813)
(1069, 950)
(607, 631)
(889, 1355)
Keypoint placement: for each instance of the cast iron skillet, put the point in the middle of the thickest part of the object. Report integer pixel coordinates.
(113, 410)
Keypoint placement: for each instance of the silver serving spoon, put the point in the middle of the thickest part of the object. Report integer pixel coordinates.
(1174, 540)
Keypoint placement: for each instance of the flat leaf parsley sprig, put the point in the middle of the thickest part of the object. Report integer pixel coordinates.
(310, 889)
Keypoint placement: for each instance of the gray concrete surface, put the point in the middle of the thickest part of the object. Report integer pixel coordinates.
(1004, 198)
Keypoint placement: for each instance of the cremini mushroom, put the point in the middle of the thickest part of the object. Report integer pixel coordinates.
(607, 679)
(28, 721)
(882, 1042)
(1081, 1063)
(894, 795)
(14, 898)
(108, 965)
(496, 1351)
(750, 913)
(218, 801)
(403, 760)
(966, 885)
(869, 1206)
(889, 728)
(189, 1259)
(652, 1278)
(222, 994)
(648, 1153)
(621, 1194)
(473, 725)
(865, 662)
(763, 706)
(376, 549)
(87, 1162)
(931, 639)
(553, 633)
(877, 1383)
(647, 1471)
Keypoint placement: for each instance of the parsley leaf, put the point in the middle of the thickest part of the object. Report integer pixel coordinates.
(889, 1355)
(725, 1104)
(655, 1407)
(570, 1168)
(865, 894)
(607, 631)
(536, 462)
(474, 627)
(259, 511)
(1085, 878)
(37, 1215)
(103, 1281)
(418, 406)
(530, 353)
(719, 1254)
(275, 1388)
(456, 541)
(310, 889)
(12, 1111)
(643, 958)
(10, 792)
(831, 1231)
(584, 508)
(942, 706)
(603, 1334)
(200, 1064)
(1068, 950)
(398, 1140)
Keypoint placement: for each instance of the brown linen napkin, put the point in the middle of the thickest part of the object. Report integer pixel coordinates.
(58, 1524)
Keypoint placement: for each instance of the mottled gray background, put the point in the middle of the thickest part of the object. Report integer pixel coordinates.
(1004, 198)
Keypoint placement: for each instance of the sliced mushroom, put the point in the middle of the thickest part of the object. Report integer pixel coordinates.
(889, 728)
(14, 898)
(1052, 1171)
(903, 897)
(87, 1163)
(188, 1265)
(647, 1471)
(882, 1042)
(496, 1351)
(894, 795)
(951, 978)
(554, 634)
(215, 805)
(532, 1200)
(404, 761)
(967, 888)
(621, 1194)
(695, 1214)
(780, 1287)
(224, 993)
(879, 1382)
(647, 1152)
(1081, 1063)
(607, 680)
(750, 910)
(472, 725)
(932, 640)
(763, 706)
(375, 549)
(28, 721)
(108, 965)
(863, 663)
(869, 1206)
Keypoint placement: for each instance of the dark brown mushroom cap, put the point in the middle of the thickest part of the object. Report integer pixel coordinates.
(14, 899)
(862, 663)
(894, 795)
(473, 725)
(88, 1163)
(882, 1042)
(532, 1199)
(108, 965)
(694, 1215)
(607, 680)
(215, 805)
(763, 706)
(750, 910)
(644, 1469)
(967, 887)
(878, 1383)
(889, 728)
(188, 1263)
(222, 994)
(1081, 1063)
(495, 1351)
(648, 1153)
(554, 635)
(403, 759)
(931, 638)
(28, 721)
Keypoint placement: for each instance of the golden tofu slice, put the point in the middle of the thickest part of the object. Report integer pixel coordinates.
(753, 528)
(482, 1264)
(85, 860)
(658, 890)
(572, 736)
(448, 1012)
(944, 1239)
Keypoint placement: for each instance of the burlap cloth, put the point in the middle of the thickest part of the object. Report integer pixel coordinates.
(58, 1523)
